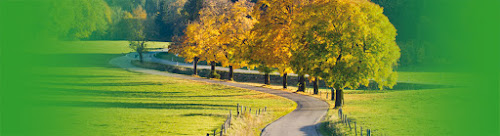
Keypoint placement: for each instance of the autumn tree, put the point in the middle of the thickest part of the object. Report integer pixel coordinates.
(236, 24)
(137, 38)
(270, 44)
(347, 43)
(201, 40)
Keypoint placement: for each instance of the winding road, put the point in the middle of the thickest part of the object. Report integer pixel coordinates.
(303, 121)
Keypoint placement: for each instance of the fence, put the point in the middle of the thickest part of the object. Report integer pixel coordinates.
(240, 110)
(348, 123)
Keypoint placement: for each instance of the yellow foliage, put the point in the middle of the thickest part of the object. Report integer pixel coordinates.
(219, 34)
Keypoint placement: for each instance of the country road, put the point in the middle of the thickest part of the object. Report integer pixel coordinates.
(150, 57)
(303, 121)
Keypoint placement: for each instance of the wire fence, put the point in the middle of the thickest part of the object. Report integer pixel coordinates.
(352, 126)
(240, 110)
(224, 127)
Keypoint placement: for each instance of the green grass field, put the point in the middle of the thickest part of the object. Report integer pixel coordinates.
(99, 99)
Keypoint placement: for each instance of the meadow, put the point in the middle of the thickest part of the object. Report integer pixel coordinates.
(99, 99)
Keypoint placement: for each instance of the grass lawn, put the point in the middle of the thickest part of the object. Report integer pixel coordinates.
(98, 99)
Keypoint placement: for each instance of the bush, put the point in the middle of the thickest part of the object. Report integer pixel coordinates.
(214, 75)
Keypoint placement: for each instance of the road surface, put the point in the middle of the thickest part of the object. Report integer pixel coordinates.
(303, 121)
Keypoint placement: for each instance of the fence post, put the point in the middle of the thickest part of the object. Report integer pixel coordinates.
(222, 128)
(245, 110)
(230, 118)
(349, 122)
(265, 109)
(345, 120)
(259, 111)
(368, 132)
(340, 113)
(250, 110)
(214, 131)
(237, 109)
(355, 130)
(361, 131)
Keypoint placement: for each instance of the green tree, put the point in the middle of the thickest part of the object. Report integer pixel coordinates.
(347, 43)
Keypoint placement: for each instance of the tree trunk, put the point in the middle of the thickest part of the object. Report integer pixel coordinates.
(212, 66)
(195, 65)
(267, 79)
(339, 97)
(284, 81)
(231, 73)
(333, 94)
(140, 58)
(316, 87)
(302, 84)
(212, 70)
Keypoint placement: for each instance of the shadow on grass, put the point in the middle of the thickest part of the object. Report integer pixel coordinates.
(142, 105)
(127, 94)
(401, 86)
(81, 76)
(204, 114)
(110, 84)
(77, 60)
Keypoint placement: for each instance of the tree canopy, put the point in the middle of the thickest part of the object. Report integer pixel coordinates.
(348, 43)
(270, 38)
(219, 33)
